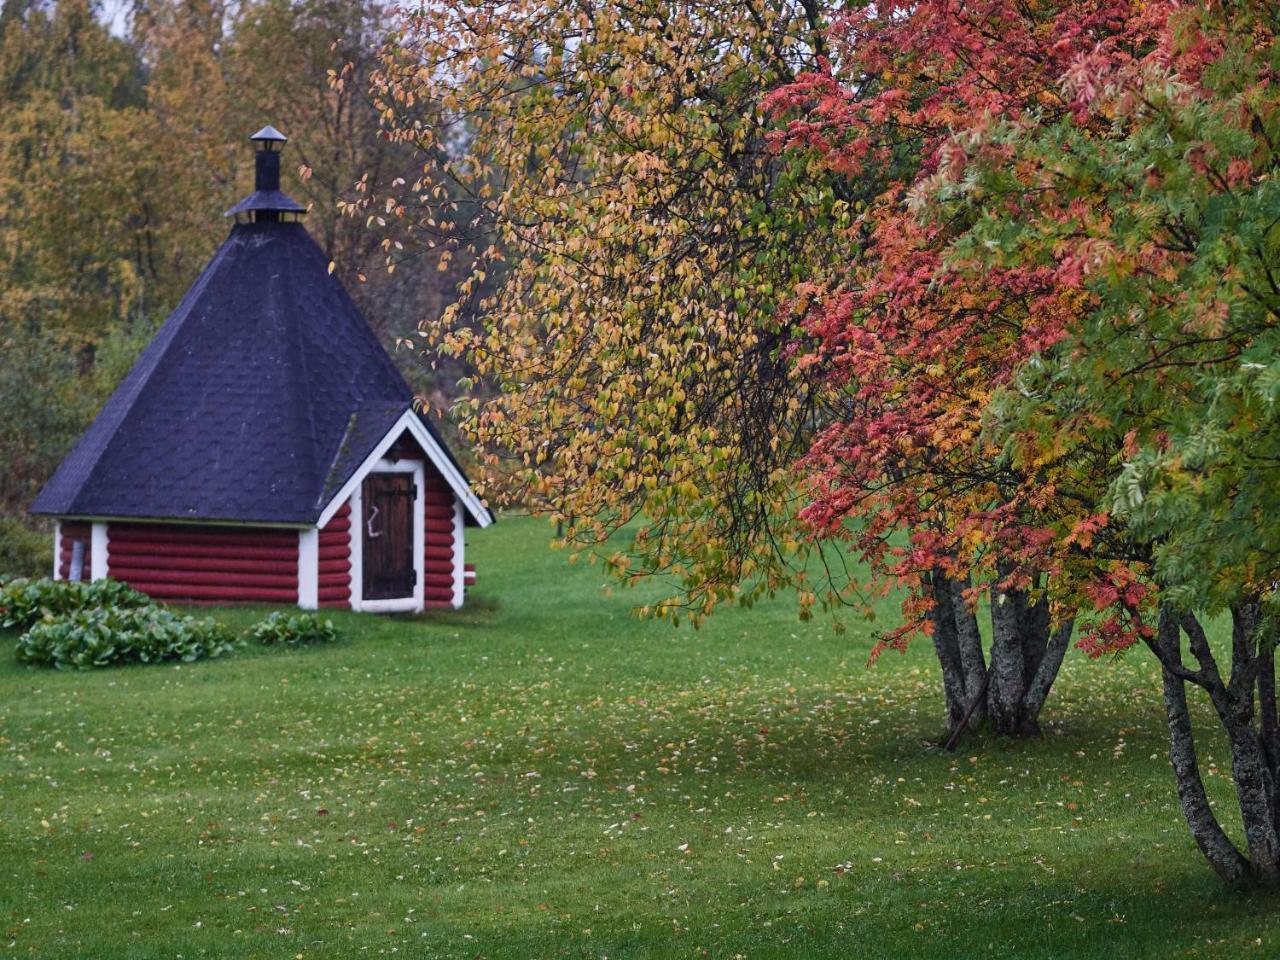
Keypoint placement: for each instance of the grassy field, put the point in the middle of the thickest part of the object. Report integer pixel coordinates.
(541, 775)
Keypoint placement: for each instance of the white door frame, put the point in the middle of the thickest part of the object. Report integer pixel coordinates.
(413, 604)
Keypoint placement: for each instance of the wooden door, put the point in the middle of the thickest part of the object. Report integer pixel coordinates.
(389, 572)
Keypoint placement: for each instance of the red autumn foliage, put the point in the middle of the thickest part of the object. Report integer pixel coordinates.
(918, 347)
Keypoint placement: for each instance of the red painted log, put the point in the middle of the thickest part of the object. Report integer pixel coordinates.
(183, 536)
(235, 565)
(206, 564)
(230, 581)
(160, 550)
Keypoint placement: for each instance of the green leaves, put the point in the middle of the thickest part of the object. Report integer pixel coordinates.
(84, 625)
(292, 630)
(102, 636)
(25, 602)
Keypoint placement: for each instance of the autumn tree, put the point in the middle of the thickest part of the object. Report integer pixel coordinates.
(1127, 205)
(1166, 384)
(634, 251)
(72, 244)
(904, 472)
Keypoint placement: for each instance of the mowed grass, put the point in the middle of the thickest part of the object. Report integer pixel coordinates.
(543, 775)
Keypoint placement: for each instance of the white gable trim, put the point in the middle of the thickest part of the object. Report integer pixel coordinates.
(440, 460)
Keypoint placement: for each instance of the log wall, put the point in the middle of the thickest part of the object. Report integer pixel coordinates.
(335, 560)
(205, 564)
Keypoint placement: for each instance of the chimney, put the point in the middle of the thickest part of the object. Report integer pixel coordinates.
(266, 203)
(267, 168)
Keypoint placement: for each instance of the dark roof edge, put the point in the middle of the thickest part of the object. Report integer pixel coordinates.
(186, 521)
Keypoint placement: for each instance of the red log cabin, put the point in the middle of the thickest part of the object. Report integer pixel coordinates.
(264, 448)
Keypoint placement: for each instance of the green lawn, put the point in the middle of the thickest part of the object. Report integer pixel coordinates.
(543, 775)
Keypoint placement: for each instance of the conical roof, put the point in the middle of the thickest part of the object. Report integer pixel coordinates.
(258, 399)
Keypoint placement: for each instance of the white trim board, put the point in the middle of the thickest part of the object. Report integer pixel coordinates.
(410, 422)
(459, 555)
(98, 552)
(309, 569)
(57, 549)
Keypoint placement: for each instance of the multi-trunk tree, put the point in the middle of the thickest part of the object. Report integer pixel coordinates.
(651, 350)
(1131, 396)
(905, 472)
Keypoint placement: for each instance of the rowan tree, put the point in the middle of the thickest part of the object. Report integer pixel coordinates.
(1134, 401)
(1167, 223)
(916, 350)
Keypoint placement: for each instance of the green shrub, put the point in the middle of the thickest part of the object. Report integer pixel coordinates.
(102, 636)
(24, 602)
(23, 552)
(293, 630)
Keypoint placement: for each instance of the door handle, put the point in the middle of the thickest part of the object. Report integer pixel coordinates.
(373, 515)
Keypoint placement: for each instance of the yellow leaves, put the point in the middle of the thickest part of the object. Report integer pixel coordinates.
(620, 332)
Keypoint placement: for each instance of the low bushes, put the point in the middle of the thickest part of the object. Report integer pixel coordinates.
(23, 603)
(102, 636)
(84, 625)
(292, 630)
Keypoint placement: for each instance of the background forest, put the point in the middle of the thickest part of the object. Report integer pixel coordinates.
(121, 144)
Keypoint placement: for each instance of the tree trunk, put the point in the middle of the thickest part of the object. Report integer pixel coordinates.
(945, 644)
(1250, 729)
(1026, 655)
(972, 660)
(1208, 834)
(1254, 777)
(1025, 659)
(1008, 667)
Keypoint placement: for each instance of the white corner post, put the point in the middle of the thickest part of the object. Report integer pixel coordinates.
(459, 553)
(57, 549)
(309, 568)
(357, 548)
(98, 552)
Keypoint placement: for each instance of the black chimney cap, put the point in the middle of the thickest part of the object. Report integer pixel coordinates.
(269, 134)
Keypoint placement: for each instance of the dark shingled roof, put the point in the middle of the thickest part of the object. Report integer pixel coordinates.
(258, 399)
